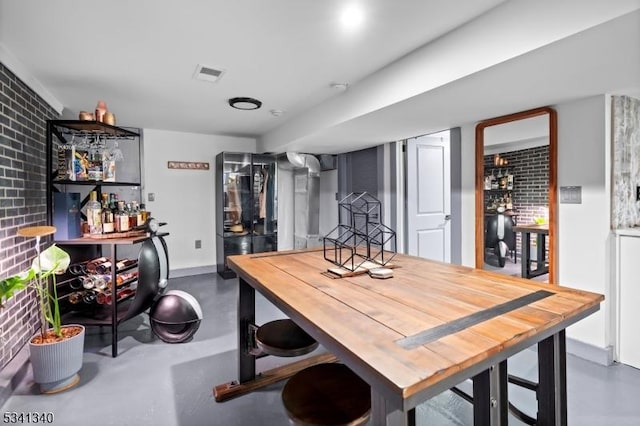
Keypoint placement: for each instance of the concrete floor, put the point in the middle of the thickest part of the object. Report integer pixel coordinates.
(155, 383)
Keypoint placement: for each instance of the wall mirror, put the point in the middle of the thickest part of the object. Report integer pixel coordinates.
(516, 202)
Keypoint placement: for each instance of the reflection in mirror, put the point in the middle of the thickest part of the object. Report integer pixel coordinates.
(513, 185)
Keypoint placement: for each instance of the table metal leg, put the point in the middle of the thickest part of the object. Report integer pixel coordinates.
(383, 414)
(490, 398)
(541, 241)
(525, 242)
(246, 316)
(552, 373)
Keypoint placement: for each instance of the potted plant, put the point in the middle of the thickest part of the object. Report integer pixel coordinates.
(56, 352)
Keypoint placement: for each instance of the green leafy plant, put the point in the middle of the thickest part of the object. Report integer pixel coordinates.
(48, 263)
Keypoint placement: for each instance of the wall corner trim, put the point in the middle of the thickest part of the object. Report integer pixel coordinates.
(602, 356)
(21, 71)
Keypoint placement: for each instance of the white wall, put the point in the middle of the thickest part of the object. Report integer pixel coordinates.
(583, 229)
(185, 199)
(328, 202)
(468, 198)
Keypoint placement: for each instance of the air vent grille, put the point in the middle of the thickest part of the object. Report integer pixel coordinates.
(206, 73)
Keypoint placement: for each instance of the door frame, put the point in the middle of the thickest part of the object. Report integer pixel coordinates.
(553, 180)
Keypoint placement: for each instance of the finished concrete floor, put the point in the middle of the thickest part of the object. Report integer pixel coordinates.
(155, 383)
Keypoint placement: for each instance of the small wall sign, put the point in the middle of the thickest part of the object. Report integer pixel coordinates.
(191, 165)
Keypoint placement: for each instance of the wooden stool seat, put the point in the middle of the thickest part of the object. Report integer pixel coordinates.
(284, 338)
(327, 394)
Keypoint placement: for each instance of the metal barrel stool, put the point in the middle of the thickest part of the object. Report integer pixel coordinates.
(284, 338)
(327, 394)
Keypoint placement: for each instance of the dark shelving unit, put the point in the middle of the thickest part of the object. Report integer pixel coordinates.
(67, 132)
(246, 209)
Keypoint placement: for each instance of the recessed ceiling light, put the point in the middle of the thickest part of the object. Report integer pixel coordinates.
(245, 103)
(352, 16)
(277, 112)
(340, 86)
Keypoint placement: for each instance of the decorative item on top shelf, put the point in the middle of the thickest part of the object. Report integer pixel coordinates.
(360, 242)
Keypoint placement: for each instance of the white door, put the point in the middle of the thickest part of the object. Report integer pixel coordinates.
(429, 197)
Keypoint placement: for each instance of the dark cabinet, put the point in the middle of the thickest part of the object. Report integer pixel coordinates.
(246, 206)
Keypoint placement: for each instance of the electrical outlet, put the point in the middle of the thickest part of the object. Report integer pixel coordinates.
(151, 196)
(198, 244)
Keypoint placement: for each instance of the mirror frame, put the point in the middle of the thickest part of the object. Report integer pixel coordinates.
(553, 179)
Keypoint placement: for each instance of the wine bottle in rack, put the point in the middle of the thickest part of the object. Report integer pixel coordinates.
(75, 297)
(79, 268)
(89, 297)
(92, 264)
(104, 267)
(124, 263)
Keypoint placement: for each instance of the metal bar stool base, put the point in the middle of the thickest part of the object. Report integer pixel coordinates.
(284, 338)
(327, 394)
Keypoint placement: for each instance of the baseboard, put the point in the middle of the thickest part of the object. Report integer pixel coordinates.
(197, 270)
(602, 356)
(13, 373)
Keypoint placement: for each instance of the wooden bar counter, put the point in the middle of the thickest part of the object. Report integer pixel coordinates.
(425, 330)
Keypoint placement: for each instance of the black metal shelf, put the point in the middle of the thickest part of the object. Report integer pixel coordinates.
(92, 182)
(94, 128)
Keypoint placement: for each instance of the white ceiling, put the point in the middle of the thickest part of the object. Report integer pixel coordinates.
(413, 66)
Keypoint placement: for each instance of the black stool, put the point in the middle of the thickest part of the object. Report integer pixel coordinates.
(284, 338)
(327, 394)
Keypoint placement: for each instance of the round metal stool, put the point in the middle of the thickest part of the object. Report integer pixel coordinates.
(284, 338)
(327, 394)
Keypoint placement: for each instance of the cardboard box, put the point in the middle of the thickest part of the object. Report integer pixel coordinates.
(66, 215)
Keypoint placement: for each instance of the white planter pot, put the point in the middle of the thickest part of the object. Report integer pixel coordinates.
(56, 365)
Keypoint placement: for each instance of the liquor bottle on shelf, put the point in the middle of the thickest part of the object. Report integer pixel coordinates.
(94, 214)
(122, 218)
(138, 211)
(107, 216)
(144, 214)
(133, 216)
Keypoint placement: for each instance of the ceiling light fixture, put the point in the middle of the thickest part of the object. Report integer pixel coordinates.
(277, 112)
(340, 86)
(352, 16)
(245, 103)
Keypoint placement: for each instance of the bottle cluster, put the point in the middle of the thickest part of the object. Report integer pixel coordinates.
(92, 283)
(112, 215)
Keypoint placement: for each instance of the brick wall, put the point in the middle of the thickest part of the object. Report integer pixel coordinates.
(530, 194)
(23, 116)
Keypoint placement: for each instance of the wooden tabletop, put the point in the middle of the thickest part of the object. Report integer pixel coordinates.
(542, 228)
(409, 336)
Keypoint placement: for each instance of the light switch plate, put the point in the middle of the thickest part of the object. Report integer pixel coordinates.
(151, 196)
(571, 195)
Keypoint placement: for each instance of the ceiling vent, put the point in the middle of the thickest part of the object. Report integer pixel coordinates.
(206, 73)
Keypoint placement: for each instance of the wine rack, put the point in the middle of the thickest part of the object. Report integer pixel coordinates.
(133, 297)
